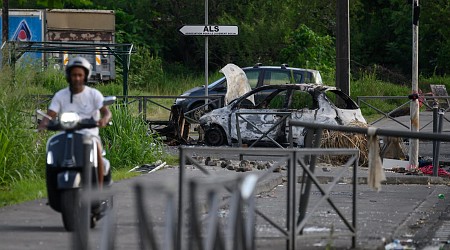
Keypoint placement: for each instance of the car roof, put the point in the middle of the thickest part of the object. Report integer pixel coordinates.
(282, 68)
(297, 86)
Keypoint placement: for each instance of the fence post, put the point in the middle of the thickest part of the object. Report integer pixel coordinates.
(438, 144)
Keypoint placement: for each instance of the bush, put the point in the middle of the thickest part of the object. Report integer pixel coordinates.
(21, 155)
(128, 142)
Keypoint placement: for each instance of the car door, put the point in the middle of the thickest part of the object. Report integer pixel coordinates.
(256, 120)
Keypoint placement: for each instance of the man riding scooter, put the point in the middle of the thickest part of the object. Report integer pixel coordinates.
(87, 102)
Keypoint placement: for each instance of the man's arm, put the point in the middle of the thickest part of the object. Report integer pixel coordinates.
(106, 116)
(43, 124)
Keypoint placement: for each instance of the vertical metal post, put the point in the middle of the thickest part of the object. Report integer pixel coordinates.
(435, 129)
(5, 32)
(145, 108)
(181, 184)
(438, 144)
(304, 196)
(126, 65)
(80, 235)
(354, 212)
(290, 221)
(414, 143)
(206, 54)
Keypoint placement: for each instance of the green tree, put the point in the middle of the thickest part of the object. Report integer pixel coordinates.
(307, 49)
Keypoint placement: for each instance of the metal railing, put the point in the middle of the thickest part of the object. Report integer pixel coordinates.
(143, 103)
(293, 159)
(364, 100)
(318, 127)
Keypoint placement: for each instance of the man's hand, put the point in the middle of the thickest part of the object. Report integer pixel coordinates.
(106, 117)
(103, 122)
(44, 122)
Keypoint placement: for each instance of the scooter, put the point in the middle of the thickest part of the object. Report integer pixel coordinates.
(72, 168)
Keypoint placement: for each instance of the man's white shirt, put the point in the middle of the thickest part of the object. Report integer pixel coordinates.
(86, 104)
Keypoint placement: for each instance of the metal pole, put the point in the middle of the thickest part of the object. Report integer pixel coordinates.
(5, 32)
(304, 196)
(438, 144)
(414, 143)
(181, 185)
(435, 128)
(206, 54)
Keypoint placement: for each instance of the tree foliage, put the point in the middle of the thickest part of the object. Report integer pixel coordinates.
(270, 31)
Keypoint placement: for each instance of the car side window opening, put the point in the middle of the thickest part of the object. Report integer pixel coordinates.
(340, 100)
(302, 100)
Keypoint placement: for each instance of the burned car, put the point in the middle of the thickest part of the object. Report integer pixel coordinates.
(266, 118)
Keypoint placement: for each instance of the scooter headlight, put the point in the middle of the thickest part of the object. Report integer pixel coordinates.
(69, 120)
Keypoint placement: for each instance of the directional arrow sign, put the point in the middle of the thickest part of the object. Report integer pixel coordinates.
(209, 30)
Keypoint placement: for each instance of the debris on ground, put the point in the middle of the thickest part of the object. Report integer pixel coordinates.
(149, 168)
(337, 139)
(428, 170)
(399, 245)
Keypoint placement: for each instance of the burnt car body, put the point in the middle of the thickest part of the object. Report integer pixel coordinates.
(302, 102)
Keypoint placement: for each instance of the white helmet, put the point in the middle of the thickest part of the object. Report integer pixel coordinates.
(79, 62)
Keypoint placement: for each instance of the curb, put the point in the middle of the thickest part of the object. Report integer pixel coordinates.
(390, 180)
(269, 183)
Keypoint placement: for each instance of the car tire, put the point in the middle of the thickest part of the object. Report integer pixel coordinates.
(215, 136)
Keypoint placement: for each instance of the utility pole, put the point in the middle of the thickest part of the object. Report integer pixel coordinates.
(343, 46)
(5, 30)
(206, 54)
(414, 109)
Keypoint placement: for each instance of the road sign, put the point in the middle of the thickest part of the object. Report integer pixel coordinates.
(209, 30)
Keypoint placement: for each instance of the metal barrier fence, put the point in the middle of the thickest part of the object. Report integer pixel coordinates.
(364, 100)
(436, 137)
(293, 159)
(143, 103)
(239, 230)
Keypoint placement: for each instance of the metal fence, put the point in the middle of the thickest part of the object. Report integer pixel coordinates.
(234, 193)
(294, 159)
(430, 103)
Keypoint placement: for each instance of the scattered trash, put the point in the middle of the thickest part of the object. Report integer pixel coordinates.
(395, 245)
(326, 169)
(428, 170)
(146, 168)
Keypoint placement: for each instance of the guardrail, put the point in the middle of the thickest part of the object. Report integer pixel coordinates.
(364, 100)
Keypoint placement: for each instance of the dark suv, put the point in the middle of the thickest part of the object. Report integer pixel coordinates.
(257, 75)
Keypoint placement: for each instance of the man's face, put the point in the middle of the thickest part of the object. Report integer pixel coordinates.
(77, 76)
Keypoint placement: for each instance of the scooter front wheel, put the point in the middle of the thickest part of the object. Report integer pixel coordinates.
(70, 207)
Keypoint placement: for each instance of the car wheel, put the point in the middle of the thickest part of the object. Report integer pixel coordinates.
(215, 136)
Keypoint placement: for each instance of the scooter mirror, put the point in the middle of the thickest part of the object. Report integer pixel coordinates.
(108, 100)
